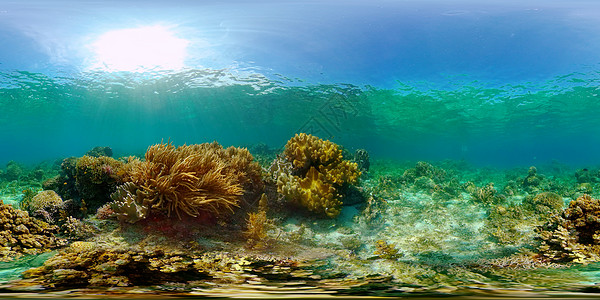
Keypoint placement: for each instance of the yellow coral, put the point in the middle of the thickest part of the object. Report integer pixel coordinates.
(573, 234)
(257, 225)
(306, 151)
(385, 250)
(319, 172)
(312, 192)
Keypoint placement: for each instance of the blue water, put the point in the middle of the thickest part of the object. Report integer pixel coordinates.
(490, 83)
(499, 83)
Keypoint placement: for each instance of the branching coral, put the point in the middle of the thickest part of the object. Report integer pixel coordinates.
(186, 179)
(574, 235)
(318, 173)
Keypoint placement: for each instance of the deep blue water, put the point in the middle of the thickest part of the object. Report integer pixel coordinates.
(496, 83)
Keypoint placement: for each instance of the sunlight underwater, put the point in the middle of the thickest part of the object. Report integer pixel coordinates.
(463, 167)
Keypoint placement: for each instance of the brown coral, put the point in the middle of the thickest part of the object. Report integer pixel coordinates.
(546, 203)
(23, 234)
(385, 250)
(44, 200)
(88, 180)
(319, 171)
(574, 235)
(257, 225)
(190, 179)
(89, 264)
(487, 195)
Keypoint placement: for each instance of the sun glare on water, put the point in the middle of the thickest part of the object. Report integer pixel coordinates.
(139, 49)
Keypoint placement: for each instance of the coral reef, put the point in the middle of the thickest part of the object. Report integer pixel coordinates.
(89, 264)
(96, 178)
(424, 169)
(535, 183)
(75, 229)
(532, 179)
(518, 261)
(487, 195)
(21, 234)
(361, 158)
(508, 225)
(317, 175)
(14, 171)
(100, 151)
(514, 224)
(586, 176)
(433, 180)
(190, 180)
(574, 235)
(88, 180)
(435, 229)
(45, 204)
(385, 250)
(545, 203)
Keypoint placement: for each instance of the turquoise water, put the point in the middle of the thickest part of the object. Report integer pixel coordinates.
(482, 91)
(509, 125)
(495, 83)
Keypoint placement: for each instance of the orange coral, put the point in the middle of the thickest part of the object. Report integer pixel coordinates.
(319, 171)
(191, 178)
(257, 225)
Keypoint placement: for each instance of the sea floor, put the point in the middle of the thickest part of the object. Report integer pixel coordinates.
(449, 231)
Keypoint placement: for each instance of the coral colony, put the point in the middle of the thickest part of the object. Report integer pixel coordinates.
(183, 218)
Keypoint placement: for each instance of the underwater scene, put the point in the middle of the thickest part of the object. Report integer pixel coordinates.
(299, 149)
